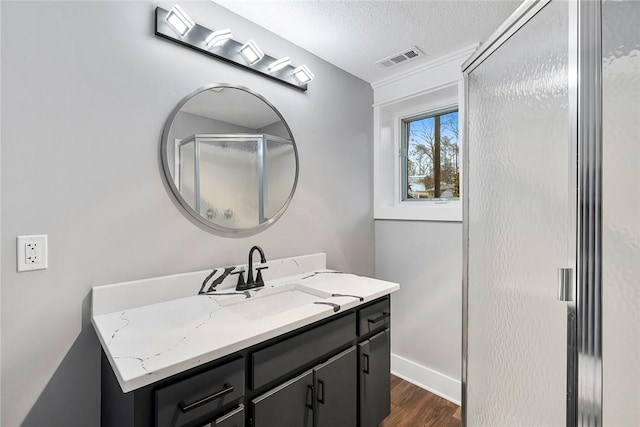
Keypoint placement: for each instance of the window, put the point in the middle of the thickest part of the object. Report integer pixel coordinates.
(431, 157)
(395, 119)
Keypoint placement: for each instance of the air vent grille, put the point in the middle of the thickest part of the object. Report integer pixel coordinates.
(400, 57)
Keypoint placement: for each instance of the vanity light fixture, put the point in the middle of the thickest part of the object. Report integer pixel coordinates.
(303, 74)
(176, 26)
(279, 64)
(179, 21)
(252, 52)
(217, 38)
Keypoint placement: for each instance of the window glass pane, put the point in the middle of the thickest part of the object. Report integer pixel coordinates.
(431, 170)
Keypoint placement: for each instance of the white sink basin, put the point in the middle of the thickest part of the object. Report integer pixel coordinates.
(269, 302)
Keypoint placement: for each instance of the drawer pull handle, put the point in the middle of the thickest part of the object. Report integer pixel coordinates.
(226, 389)
(383, 316)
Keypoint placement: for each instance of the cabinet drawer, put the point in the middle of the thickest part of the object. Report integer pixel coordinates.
(234, 418)
(375, 317)
(200, 396)
(288, 355)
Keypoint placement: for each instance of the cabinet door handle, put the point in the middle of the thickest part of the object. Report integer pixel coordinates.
(226, 389)
(365, 363)
(321, 391)
(383, 316)
(310, 397)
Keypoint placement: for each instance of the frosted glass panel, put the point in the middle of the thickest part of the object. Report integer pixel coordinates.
(281, 173)
(187, 173)
(621, 213)
(229, 182)
(519, 227)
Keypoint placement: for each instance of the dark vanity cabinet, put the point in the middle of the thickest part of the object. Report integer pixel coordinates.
(333, 373)
(375, 382)
(210, 395)
(188, 401)
(325, 396)
(374, 364)
(336, 390)
(289, 404)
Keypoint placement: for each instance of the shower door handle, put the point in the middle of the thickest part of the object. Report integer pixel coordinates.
(565, 285)
(567, 293)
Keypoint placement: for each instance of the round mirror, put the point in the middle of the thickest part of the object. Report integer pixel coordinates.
(230, 159)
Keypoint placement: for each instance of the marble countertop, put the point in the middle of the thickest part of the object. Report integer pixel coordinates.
(151, 342)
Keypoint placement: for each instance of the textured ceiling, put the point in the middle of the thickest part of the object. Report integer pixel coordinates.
(353, 35)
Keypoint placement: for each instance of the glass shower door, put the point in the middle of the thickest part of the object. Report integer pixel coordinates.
(229, 172)
(621, 213)
(521, 226)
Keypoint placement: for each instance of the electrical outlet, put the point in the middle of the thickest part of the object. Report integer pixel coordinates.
(32, 252)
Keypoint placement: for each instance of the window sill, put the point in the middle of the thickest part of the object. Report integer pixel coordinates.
(448, 212)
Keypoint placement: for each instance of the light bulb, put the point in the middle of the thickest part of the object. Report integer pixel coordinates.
(218, 37)
(303, 74)
(251, 52)
(179, 21)
(279, 64)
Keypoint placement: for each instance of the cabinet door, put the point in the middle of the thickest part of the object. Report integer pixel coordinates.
(375, 382)
(280, 359)
(290, 404)
(337, 390)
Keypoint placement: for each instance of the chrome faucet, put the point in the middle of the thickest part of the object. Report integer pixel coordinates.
(258, 282)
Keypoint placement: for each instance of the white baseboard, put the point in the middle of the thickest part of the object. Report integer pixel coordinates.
(428, 379)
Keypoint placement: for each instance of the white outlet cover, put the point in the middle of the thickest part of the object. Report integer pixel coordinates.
(21, 246)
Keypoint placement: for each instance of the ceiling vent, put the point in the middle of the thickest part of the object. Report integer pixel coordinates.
(400, 57)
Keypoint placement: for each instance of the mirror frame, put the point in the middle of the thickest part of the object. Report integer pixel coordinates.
(189, 211)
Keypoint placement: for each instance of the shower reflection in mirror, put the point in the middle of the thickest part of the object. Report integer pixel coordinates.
(234, 179)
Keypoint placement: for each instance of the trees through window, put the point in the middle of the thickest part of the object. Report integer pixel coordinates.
(431, 157)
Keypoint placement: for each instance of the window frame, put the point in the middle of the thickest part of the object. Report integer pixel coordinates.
(403, 123)
(398, 209)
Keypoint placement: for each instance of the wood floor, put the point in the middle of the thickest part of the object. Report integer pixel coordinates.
(412, 406)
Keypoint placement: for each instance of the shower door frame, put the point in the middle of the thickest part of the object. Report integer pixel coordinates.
(261, 140)
(584, 313)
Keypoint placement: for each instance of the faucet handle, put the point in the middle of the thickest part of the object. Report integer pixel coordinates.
(240, 274)
(259, 274)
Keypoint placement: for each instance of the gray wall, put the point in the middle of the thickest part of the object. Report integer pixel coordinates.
(86, 90)
(426, 259)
